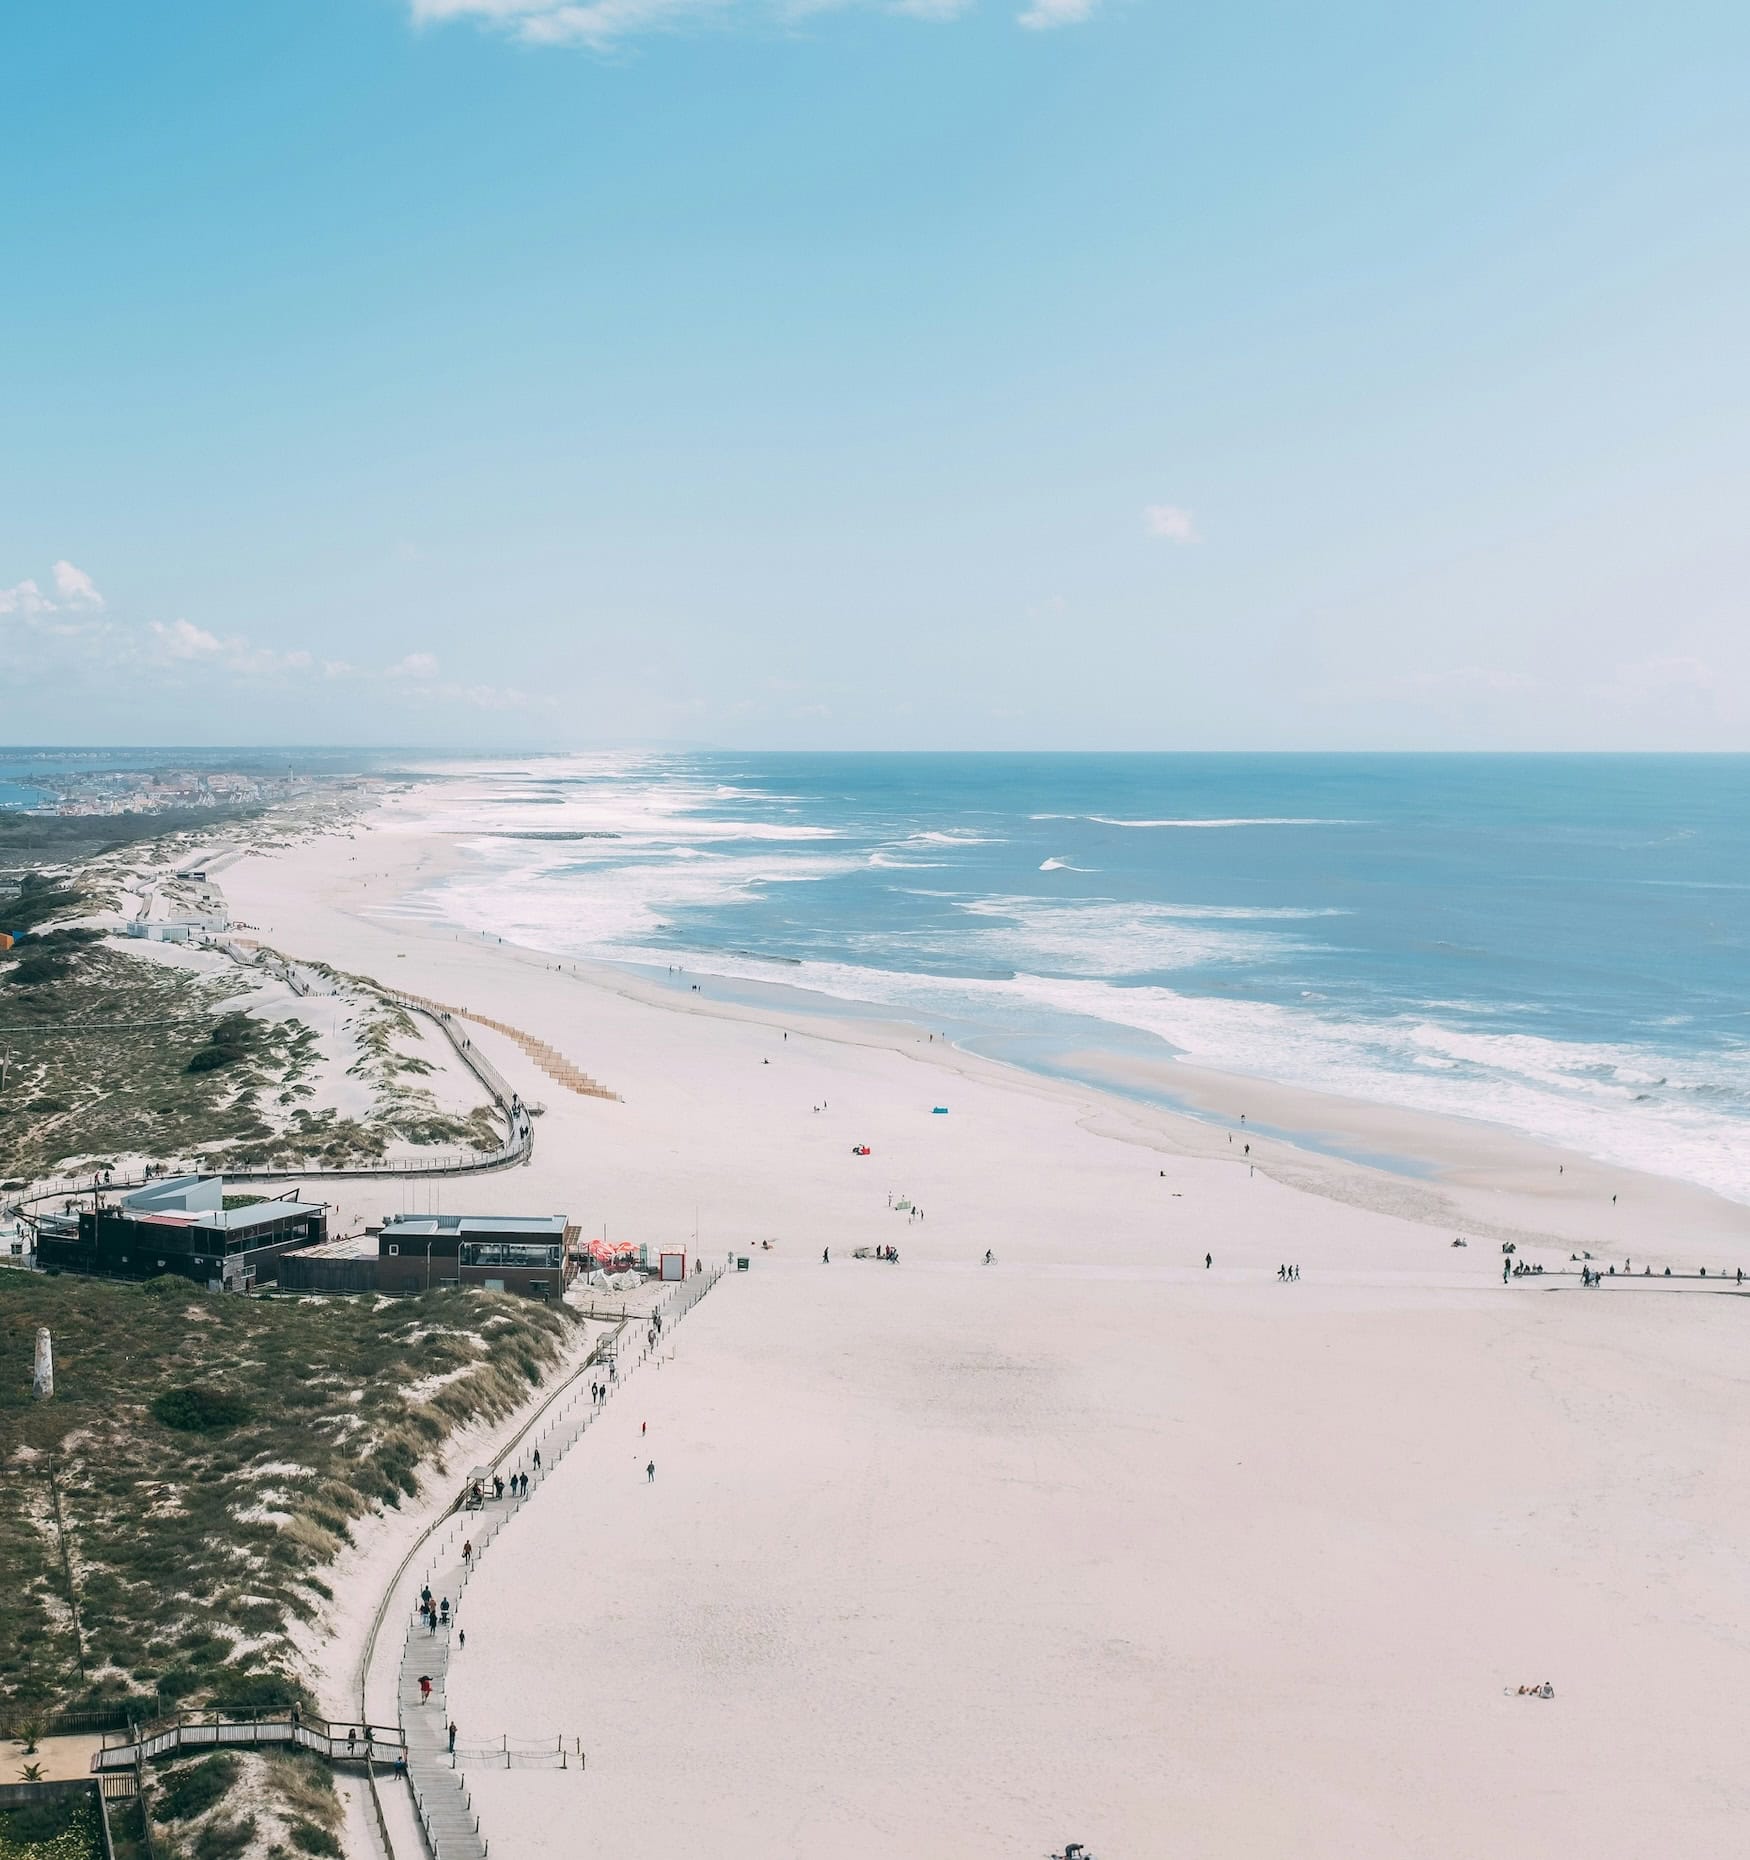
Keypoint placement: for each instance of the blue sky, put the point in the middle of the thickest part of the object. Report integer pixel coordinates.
(1059, 373)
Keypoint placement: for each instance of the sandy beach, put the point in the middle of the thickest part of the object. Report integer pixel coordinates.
(1097, 1542)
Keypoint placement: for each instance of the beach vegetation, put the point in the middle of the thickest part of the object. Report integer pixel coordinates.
(172, 1512)
(60, 1828)
(192, 1788)
(199, 1409)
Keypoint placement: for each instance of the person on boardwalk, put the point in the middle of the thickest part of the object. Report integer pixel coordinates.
(650, 1473)
(452, 1737)
(352, 1738)
(425, 1688)
(537, 1461)
(461, 1639)
(468, 1552)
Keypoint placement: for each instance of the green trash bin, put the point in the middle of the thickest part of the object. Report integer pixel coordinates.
(741, 1262)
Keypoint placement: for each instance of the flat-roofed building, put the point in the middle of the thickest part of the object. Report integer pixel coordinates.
(496, 1252)
(181, 1225)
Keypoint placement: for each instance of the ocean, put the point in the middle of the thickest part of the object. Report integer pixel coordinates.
(1556, 944)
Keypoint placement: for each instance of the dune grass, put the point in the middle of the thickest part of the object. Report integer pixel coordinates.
(172, 1509)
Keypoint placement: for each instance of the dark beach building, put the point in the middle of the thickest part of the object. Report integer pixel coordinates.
(182, 1225)
(497, 1252)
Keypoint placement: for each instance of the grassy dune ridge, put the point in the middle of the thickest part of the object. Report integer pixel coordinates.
(172, 1509)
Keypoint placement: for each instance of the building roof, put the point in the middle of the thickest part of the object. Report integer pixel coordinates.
(407, 1226)
(348, 1246)
(224, 1220)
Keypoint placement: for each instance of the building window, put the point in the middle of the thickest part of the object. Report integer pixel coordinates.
(509, 1253)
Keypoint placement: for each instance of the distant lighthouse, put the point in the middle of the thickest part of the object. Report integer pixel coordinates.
(42, 1381)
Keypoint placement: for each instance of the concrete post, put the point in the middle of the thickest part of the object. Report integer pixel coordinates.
(42, 1382)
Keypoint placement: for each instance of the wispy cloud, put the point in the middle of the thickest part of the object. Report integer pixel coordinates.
(75, 587)
(601, 25)
(1044, 15)
(182, 639)
(1172, 522)
(75, 592)
(71, 637)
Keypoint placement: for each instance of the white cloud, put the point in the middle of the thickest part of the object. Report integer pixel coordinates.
(603, 24)
(1043, 15)
(75, 592)
(595, 23)
(75, 587)
(25, 597)
(182, 639)
(1172, 522)
(70, 640)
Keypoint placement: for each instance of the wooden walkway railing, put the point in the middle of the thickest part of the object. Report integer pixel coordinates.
(339, 1743)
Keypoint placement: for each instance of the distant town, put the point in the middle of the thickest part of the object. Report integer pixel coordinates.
(161, 791)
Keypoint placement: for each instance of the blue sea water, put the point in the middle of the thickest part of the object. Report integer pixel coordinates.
(1558, 944)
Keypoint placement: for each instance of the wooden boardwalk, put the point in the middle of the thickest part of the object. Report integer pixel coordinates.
(550, 1060)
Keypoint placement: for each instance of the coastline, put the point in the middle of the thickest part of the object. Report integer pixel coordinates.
(1469, 1176)
(1120, 1539)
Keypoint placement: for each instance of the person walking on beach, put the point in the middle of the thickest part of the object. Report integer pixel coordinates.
(461, 1639)
(1208, 1261)
(650, 1473)
(826, 1256)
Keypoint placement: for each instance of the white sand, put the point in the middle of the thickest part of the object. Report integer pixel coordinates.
(1092, 1544)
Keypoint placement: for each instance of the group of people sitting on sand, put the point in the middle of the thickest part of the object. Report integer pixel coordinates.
(1545, 1691)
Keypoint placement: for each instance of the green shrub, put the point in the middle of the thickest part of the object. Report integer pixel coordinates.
(224, 1840)
(38, 971)
(185, 1793)
(310, 1839)
(33, 1824)
(239, 1693)
(198, 1409)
